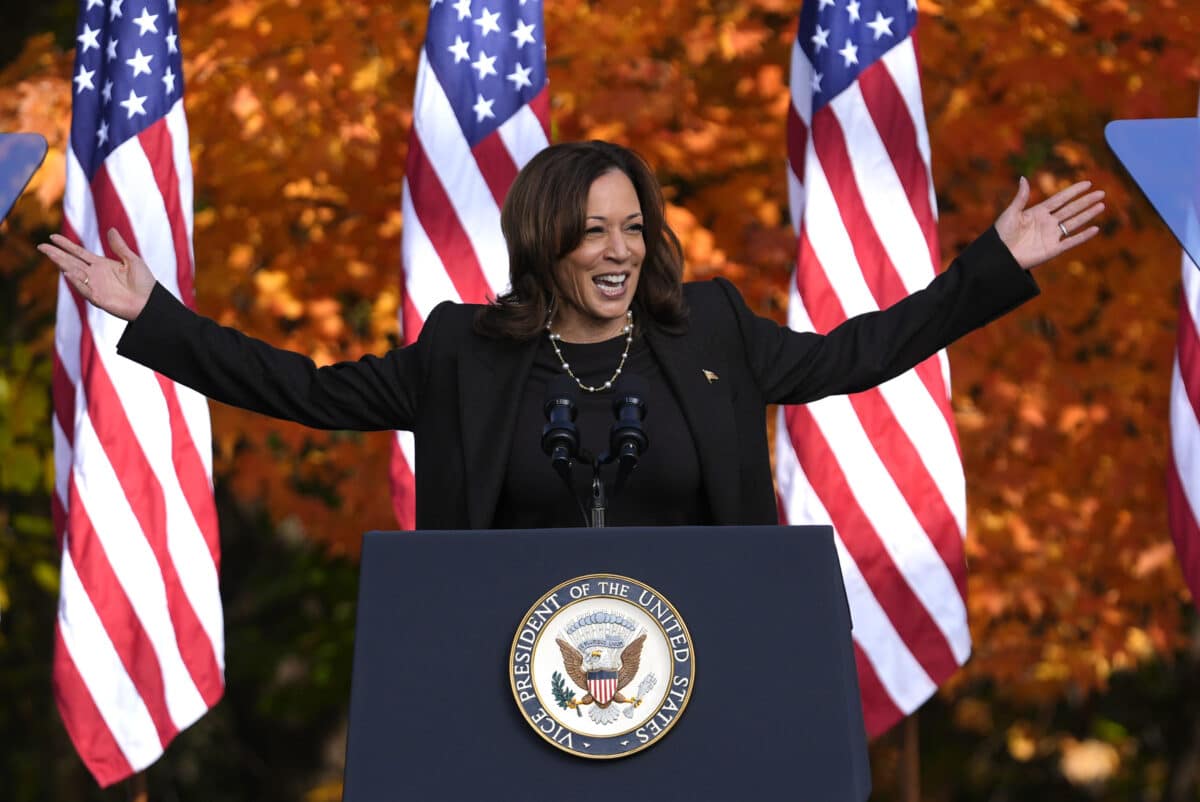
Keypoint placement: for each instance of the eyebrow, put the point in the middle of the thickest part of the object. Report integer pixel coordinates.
(602, 217)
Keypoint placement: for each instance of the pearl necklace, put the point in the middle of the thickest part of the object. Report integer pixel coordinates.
(587, 388)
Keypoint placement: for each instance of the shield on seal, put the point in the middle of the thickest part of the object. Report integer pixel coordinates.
(602, 685)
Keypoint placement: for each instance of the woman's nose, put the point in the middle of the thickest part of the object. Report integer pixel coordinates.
(618, 248)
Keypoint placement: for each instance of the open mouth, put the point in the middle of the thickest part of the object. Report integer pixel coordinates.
(612, 285)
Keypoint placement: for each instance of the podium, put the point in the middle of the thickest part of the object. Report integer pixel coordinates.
(774, 711)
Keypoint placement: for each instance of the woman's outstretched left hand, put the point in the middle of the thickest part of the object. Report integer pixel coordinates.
(120, 288)
(1039, 233)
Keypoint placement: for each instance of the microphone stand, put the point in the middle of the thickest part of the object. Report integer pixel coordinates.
(599, 497)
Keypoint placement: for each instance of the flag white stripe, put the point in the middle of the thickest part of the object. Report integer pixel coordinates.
(177, 126)
(455, 165)
(425, 281)
(78, 206)
(898, 670)
(133, 180)
(892, 519)
(831, 244)
(523, 135)
(1185, 440)
(1185, 428)
(796, 197)
(149, 418)
(901, 63)
(801, 73)
(925, 426)
(113, 692)
(408, 447)
(136, 569)
(882, 193)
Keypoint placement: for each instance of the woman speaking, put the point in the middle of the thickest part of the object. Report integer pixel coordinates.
(596, 292)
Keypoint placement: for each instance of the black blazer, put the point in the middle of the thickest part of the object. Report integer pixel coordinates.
(458, 392)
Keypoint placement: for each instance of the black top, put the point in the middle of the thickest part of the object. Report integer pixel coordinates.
(460, 393)
(663, 490)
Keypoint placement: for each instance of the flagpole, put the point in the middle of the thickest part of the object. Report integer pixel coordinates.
(910, 761)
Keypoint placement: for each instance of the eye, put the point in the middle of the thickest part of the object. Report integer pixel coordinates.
(593, 231)
(635, 228)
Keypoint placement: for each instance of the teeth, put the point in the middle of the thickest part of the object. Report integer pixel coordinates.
(615, 281)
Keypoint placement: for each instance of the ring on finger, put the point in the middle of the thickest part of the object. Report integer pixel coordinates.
(1063, 229)
(86, 280)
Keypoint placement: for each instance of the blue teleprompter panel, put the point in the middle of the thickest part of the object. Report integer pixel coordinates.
(1163, 156)
(20, 157)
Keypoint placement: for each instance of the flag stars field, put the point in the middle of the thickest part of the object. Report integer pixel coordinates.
(488, 22)
(483, 108)
(485, 65)
(140, 62)
(881, 25)
(146, 22)
(523, 33)
(88, 39)
(820, 39)
(460, 49)
(83, 80)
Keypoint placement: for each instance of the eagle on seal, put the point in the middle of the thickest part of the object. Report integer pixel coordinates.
(601, 679)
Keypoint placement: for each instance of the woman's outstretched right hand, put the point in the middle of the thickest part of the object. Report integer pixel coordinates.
(120, 288)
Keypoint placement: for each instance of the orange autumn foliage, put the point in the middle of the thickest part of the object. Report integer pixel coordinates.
(299, 113)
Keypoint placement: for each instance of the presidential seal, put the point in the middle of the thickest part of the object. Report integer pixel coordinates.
(602, 666)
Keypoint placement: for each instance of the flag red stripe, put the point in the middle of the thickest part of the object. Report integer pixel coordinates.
(156, 142)
(193, 477)
(913, 480)
(896, 451)
(797, 141)
(1187, 343)
(904, 609)
(540, 106)
(85, 726)
(145, 496)
(876, 266)
(497, 166)
(136, 475)
(895, 125)
(403, 489)
(121, 623)
(1184, 529)
(442, 224)
(410, 320)
(879, 711)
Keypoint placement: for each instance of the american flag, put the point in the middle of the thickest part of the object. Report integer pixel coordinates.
(1183, 469)
(139, 642)
(480, 112)
(882, 466)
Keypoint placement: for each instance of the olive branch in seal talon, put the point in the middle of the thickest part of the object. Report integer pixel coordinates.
(563, 695)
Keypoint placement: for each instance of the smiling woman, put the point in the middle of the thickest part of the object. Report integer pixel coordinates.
(596, 290)
(598, 280)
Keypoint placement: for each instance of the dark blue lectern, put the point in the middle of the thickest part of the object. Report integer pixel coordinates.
(774, 712)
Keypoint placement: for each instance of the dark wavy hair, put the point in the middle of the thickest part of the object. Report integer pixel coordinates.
(544, 219)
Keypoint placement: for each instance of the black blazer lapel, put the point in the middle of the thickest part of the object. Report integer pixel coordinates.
(708, 407)
(491, 381)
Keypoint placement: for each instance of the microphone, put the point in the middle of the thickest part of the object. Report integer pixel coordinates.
(627, 440)
(560, 436)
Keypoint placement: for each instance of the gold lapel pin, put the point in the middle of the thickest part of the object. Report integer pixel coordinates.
(708, 374)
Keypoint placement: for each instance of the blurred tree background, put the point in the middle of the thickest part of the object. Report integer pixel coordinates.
(1085, 682)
